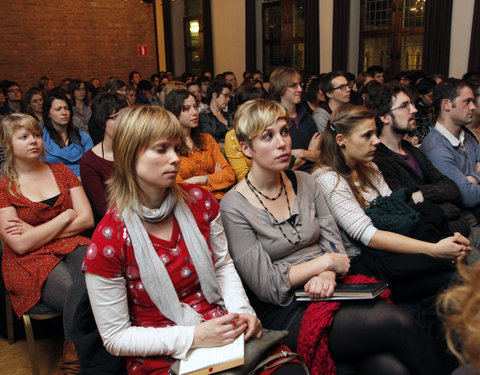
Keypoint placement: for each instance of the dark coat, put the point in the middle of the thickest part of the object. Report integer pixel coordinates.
(435, 186)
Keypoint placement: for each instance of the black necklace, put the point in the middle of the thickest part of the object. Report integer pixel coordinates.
(250, 185)
(103, 155)
(254, 191)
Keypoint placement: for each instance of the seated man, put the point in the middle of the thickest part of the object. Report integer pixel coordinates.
(13, 99)
(403, 165)
(336, 89)
(285, 87)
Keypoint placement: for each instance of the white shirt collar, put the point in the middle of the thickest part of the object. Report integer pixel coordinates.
(454, 141)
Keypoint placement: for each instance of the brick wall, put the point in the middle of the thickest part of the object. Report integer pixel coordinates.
(74, 38)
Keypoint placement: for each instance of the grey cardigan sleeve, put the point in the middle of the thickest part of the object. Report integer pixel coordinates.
(268, 280)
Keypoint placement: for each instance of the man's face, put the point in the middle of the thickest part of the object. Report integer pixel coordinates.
(341, 90)
(14, 94)
(379, 77)
(136, 78)
(462, 107)
(231, 80)
(402, 114)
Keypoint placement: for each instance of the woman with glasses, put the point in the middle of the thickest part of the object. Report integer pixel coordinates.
(216, 121)
(349, 182)
(80, 103)
(64, 142)
(96, 165)
(201, 161)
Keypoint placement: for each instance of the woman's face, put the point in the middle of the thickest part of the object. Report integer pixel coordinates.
(80, 92)
(131, 96)
(36, 103)
(26, 145)
(122, 91)
(427, 99)
(271, 149)
(59, 112)
(223, 98)
(360, 144)
(195, 91)
(156, 167)
(188, 117)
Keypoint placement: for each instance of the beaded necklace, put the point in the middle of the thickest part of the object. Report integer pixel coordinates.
(254, 190)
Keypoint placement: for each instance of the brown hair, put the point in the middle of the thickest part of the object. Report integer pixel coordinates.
(460, 308)
(343, 121)
(279, 80)
(9, 125)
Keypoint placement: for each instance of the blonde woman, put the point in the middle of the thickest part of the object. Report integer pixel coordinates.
(158, 232)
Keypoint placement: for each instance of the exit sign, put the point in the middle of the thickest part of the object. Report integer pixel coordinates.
(142, 51)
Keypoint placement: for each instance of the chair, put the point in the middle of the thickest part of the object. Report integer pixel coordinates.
(38, 312)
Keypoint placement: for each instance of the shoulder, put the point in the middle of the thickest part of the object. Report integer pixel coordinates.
(433, 140)
(328, 179)
(199, 199)
(89, 156)
(207, 139)
(86, 139)
(232, 201)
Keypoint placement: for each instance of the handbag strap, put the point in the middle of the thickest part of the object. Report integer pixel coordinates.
(286, 357)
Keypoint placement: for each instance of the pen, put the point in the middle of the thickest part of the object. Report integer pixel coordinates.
(332, 245)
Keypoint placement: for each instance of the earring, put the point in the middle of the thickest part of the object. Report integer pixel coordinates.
(342, 145)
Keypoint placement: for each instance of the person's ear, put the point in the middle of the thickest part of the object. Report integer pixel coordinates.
(329, 94)
(446, 104)
(246, 149)
(340, 139)
(386, 119)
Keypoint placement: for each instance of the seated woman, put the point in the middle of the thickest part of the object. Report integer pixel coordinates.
(349, 181)
(233, 152)
(33, 103)
(282, 237)
(43, 209)
(216, 121)
(160, 233)
(201, 161)
(80, 100)
(96, 165)
(63, 141)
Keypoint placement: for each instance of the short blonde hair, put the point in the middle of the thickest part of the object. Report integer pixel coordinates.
(254, 116)
(9, 125)
(280, 79)
(136, 129)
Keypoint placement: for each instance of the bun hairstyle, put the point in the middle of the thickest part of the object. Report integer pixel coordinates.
(343, 121)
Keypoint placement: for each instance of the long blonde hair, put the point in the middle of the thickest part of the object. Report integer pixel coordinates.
(343, 121)
(459, 306)
(136, 129)
(9, 125)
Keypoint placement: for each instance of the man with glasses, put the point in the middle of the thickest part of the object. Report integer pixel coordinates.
(336, 89)
(13, 99)
(405, 166)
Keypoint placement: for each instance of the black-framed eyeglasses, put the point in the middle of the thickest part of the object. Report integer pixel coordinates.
(342, 87)
(405, 105)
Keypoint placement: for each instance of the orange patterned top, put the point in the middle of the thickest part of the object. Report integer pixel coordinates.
(203, 162)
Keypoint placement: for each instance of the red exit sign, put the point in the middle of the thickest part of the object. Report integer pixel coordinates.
(142, 51)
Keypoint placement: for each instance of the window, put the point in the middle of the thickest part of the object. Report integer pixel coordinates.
(283, 34)
(194, 38)
(391, 34)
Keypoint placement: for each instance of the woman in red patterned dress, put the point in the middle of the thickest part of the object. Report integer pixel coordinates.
(43, 209)
(158, 272)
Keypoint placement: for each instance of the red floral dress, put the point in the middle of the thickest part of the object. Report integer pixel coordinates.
(111, 255)
(24, 275)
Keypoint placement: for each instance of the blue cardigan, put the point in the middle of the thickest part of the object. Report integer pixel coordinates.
(69, 155)
(455, 163)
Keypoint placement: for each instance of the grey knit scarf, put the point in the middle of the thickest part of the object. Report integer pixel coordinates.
(154, 276)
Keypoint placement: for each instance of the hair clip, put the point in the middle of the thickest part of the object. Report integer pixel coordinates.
(332, 128)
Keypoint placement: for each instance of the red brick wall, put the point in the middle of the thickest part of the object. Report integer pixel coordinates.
(75, 38)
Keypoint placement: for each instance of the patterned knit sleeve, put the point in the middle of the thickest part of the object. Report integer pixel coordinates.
(341, 201)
